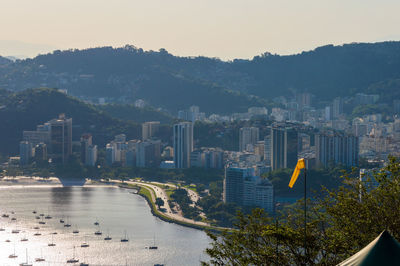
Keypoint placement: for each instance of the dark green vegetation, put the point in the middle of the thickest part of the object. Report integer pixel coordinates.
(339, 224)
(316, 178)
(181, 197)
(132, 113)
(163, 80)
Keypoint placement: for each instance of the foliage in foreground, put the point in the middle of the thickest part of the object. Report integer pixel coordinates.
(338, 225)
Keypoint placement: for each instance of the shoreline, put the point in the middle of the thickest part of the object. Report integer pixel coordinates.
(37, 182)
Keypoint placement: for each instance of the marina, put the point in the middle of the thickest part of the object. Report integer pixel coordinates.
(124, 213)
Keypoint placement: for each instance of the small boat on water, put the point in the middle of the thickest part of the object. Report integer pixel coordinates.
(125, 238)
(15, 231)
(84, 245)
(154, 244)
(75, 231)
(36, 227)
(13, 256)
(48, 217)
(8, 240)
(73, 259)
(26, 263)
(34, 212)
(52, 243)
(42, 214)
(67, 224)
(5, 215)
(40, 258)
(37, 217)
(13, 219)
(108, 236)
(54, 233)
(37, 234)
(61, 221)
(98, 233)
(24, 239)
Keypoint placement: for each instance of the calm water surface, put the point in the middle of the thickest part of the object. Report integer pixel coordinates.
(116, 210)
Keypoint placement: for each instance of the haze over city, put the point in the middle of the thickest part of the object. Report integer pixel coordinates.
(226, 29)
(204, 132)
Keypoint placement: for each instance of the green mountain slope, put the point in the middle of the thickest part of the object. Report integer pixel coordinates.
(24, 110)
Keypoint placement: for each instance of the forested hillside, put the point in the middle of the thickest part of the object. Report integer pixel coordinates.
(163, 80)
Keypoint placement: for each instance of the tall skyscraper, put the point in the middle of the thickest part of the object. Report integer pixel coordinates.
(336, 148)
(183, 144)
(149, 129)
(248, 136)
(61, 138)
(284, 148)
(25, 152)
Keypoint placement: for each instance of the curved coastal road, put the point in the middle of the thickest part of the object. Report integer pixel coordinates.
(160, 193)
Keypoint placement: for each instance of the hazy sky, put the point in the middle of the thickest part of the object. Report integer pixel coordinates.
(219, 28)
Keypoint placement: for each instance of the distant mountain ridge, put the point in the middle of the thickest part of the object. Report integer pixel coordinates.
(175, 83)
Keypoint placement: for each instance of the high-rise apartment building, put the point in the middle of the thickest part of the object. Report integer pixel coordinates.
(148, 153)
(243, 188)
(41, 152)
(267, 150)
(207, 158)
(248, 137)
(86, 141)
(61, 138)
(284, 147)
(337, 107)
(25, 152)
(336, 148)
(183, 144)
(149, 129)
(91, 155)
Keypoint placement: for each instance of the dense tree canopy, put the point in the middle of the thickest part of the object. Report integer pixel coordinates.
(338, 225)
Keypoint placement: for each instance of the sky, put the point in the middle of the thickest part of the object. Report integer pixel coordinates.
(226, 29)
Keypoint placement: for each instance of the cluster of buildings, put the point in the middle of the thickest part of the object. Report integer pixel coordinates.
(244, 188)
(52, 140)
(133, 153)
(193, 114)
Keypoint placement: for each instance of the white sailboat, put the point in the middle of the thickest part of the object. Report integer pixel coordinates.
(52, 242)
(25, 263)
(41, 257)
(73, 259)
(125, 238)
(13, 256)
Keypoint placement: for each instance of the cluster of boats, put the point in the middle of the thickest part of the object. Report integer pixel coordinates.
(42, 221)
